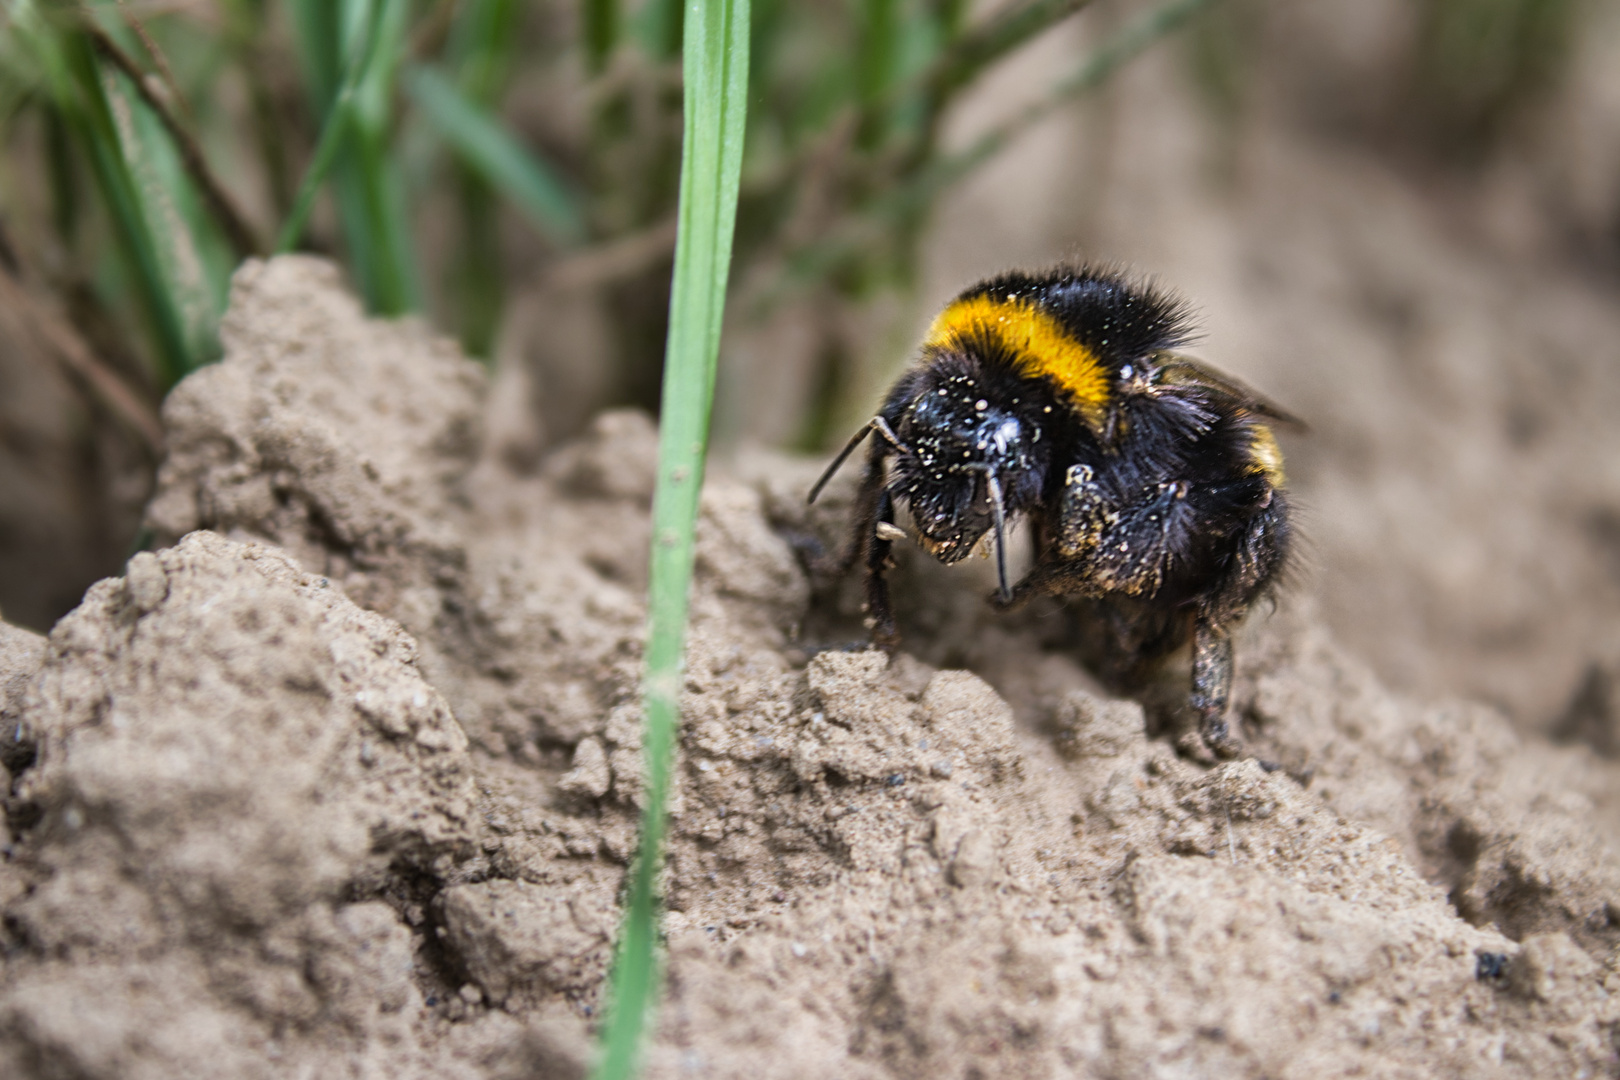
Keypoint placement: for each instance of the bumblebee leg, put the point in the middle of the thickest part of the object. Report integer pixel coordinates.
(1082, 513)
(1211, 683)
(870, 543)
(1046, 579)
(1060, 566)
(865, 509)
(1260, 554)
(878, 612)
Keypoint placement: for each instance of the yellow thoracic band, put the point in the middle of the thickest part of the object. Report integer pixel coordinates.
(1039, 342)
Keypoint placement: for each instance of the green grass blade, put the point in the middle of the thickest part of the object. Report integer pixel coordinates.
(879, 48)
(333, 128)
(89, 112)
(371, 189)
(715, 69)
(372, 193)
(366, 178)
(483, 45)
(354, 146)
(658, 27)
(601, 31)
(484, 144)
(1000, 35)
(913, 198)
(66, 208)
(320, 49)
(178, 124)
(187, 240)
(473, 278)
(478, 60)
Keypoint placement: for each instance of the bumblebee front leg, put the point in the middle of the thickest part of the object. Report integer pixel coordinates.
(879, 614)
(1083, 514)
(874, 537)
(1211, 685)
(1061, 567)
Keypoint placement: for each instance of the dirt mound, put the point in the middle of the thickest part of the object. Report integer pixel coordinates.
(250, 837)
(234, 767)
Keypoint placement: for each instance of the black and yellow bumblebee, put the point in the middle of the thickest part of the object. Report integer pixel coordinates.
(1152, 483)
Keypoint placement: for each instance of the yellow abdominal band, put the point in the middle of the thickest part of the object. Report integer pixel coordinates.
(1267, 455)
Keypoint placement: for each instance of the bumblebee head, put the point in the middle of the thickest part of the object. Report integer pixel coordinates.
(964, 463)
(966, 452)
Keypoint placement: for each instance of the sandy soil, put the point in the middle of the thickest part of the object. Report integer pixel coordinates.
(342, 781)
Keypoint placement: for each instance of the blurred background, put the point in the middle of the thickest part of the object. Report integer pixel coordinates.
(1399, 218)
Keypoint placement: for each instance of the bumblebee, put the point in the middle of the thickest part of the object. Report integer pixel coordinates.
(1153, 484)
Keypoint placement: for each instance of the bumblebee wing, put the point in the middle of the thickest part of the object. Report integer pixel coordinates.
(1184, 370)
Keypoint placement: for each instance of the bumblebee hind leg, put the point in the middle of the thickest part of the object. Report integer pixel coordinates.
(1212, 685)
(1259, 556)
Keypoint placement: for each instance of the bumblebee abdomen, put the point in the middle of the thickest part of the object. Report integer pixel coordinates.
(1265, 456)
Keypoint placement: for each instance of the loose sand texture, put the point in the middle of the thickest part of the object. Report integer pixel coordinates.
(343, 779)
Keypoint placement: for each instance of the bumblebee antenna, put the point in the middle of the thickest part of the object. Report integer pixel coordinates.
(849, 448)
(1001, 533)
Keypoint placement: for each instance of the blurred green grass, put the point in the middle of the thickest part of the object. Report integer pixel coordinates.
(1479, 62)
(152, 146)
(173, 139)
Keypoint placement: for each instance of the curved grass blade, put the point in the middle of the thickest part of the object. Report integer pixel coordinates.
(88, 111)
(195, 259)
(354, 143)
(715, 70)
(484, 144)
(332, 131)
(232, 222)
